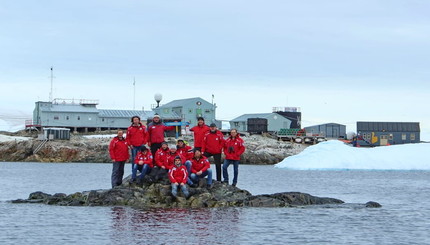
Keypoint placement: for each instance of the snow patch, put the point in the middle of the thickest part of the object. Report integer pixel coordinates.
(335, 154)
(6, 138)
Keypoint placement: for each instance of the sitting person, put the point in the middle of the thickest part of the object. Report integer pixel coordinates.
(143, 163)
(200, 167)
(185, 150)
(178, 176)
(170, 158)
(160, 161)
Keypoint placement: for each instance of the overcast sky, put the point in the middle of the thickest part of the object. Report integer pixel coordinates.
(339, 61)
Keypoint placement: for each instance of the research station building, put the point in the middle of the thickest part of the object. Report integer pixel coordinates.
(388, 133)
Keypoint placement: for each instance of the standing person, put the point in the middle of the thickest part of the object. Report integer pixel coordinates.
(118, 151)
(178, 176)
(156, 131)
(143, 162)
(233, 149)
(137, 136)
(200, 168)
(199, 132)
(213, 142)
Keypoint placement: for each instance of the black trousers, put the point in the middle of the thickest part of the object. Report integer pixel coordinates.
(217, 161)
(117, 173)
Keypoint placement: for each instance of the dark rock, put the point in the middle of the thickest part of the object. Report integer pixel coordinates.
(158, 195)
(373, 205)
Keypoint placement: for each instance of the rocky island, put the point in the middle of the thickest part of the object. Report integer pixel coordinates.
(157, 195)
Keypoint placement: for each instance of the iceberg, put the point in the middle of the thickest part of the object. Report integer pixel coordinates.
(336, 155)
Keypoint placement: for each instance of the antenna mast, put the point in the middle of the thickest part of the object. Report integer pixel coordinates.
(52, 83)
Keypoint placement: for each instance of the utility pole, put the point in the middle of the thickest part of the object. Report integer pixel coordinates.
(52, 83)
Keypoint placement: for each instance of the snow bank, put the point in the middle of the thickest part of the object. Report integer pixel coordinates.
(337, 155)
(6, 138)
(110, 136)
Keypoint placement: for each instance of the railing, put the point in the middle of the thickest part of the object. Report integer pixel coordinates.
(39, 147)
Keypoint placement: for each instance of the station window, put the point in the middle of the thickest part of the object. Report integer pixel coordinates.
(391, 137)
(412, 136)
(403, 136)
(207, 111)
(103, 119)
(79, 118)
(67, 117)
(56, 118)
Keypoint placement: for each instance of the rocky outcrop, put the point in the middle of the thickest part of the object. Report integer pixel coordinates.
(260, 150)
(157, 195)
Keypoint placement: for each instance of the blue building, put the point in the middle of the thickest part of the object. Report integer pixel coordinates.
(328, 130)
(189, 110)
(275, 121)
(385, 133)
(83, 116)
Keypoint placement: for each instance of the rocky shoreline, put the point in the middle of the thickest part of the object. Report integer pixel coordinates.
(157, 195)
(260, 150)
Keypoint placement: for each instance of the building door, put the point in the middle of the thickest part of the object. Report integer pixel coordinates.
(335, 132)
(383, 140)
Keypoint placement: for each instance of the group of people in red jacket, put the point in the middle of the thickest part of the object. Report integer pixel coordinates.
(182, 164)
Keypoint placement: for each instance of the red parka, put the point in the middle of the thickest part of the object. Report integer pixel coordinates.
(213, 142)
(201, 164)
(156, 132)
(170, 161)
(186, 152)
(161, 157)
(178, 174)
(233, 148)
(137, 135)
(146, 158)
(118, 150)
(199, 134)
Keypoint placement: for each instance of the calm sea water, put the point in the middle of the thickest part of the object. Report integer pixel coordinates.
(403, 219)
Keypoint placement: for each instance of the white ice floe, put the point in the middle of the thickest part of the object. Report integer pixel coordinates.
(335, 154)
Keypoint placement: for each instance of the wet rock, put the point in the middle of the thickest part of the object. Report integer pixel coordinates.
(372, 205)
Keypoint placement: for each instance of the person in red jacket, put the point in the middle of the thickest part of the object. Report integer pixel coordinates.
(178, 176)
(137, 136)
(156, 131)
(187, 153)
(213, 142)
(185, 150)
(170, 159)
(199, 132)
(160, 161)
(143, 163)
(233, 149)
(118, 151)
(200, 167)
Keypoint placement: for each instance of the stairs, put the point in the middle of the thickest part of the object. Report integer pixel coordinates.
(40, 146)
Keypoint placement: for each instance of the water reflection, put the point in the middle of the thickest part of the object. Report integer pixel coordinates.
(173, 226)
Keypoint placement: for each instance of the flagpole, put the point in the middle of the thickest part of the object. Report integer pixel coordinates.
(134, 93)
